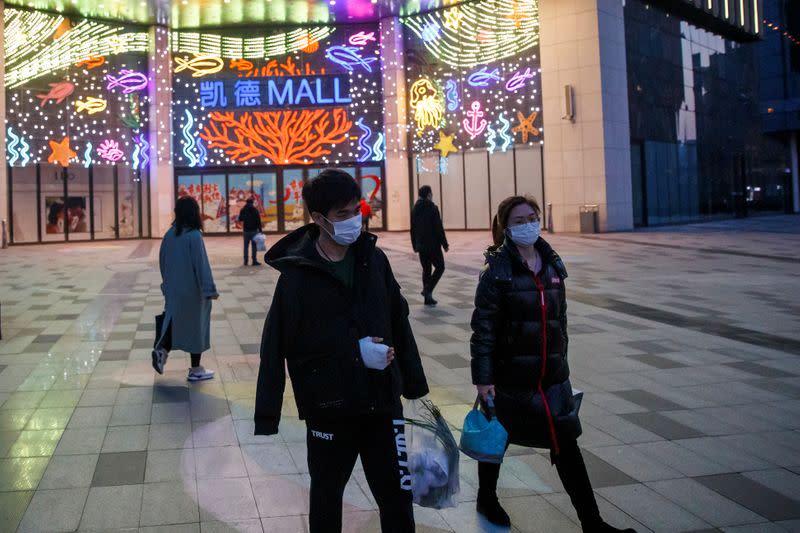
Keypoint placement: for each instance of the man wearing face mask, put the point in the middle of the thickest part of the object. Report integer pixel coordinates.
(340, 323)
(428, 239)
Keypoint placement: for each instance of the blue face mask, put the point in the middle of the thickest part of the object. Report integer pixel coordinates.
(345, 232)
(525, 234)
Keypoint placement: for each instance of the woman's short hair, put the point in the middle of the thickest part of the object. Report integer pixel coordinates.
(332, 189)
(187, 215)
(500, 222)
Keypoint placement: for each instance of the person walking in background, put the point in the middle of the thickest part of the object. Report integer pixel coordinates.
(340, 324)
(188, 288)
(428, 239)
(519, 357)
(251, 226)
(366, 213)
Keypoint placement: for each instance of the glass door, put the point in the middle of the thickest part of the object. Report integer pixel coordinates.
(265, 187)
(53, 201)
(293, 209)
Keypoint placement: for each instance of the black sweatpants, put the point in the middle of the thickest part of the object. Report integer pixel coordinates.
(428, 260)
(574, 477)
(333, 447)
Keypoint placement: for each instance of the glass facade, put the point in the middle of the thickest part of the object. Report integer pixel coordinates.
(696, 138)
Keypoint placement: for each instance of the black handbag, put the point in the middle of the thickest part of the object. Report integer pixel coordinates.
(166, 339)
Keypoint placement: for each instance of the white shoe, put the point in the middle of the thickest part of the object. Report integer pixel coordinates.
(199, 374)
(159, 359)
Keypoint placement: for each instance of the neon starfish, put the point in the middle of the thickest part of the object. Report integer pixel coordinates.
(526, 126)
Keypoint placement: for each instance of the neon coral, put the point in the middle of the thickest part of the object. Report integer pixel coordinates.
(283, 137)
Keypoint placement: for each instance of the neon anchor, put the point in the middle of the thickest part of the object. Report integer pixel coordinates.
(477, 124)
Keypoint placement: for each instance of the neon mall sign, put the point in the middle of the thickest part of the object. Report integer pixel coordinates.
(282, 91)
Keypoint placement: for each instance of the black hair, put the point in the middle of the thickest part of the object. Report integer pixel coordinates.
(187, 215)
(425, 191)
(55, 210)
(249, 200)
(332, 189)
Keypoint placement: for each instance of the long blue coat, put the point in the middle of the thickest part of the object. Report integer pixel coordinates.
(188, 286)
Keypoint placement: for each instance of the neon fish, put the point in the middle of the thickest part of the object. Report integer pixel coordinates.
(58, 91)
(128, 80)
(517, 81)
(200, 65)
(349, 57)
(91, 62)
(92, 105)
(241, 64)
(482, 78)
(361, 38)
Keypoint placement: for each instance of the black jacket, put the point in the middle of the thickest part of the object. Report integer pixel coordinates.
(250, 219)
(314, 324)
(520, 345)
(427, 231)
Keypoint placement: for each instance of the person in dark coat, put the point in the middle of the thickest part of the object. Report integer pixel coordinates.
(428, 239)
(519, 357)
(340, 324)
(251, 226)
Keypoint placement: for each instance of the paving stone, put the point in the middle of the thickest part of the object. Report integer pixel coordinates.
(762, 500)
(116, 469)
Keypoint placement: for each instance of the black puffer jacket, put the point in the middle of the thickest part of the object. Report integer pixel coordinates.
(427, 231)
(313, 326)
(519, 344)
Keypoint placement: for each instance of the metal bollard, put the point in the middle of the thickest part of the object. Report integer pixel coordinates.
(4, 237)
(549, 217)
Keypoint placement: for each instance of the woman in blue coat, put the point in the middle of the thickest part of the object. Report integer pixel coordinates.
(188, 288)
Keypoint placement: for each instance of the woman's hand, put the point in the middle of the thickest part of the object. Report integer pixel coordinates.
(485, 391)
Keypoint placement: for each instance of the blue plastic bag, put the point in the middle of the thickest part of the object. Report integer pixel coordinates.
(484, 440)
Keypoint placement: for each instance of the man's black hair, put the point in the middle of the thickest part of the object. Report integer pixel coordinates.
(332, 189)
(425, 191)
(249, 200)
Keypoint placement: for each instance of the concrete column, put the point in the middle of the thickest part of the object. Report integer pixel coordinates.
(586, 161)
(398, 201)
(162, 184)
(4, 199)
(795, 173)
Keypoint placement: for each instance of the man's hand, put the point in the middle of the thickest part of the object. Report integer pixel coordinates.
(446, 248)
(485, 391)
(375, 355)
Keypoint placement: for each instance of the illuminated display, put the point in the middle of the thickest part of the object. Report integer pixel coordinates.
(314, 98)
(73, 87)
(477, 33)
(476, 78)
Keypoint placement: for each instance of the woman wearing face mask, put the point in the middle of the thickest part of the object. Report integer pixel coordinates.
(519, 357)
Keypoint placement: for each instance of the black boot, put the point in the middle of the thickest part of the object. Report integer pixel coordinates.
(429, 299)
(488, 504)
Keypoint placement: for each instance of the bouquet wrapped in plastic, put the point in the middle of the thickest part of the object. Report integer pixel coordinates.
(432, 457)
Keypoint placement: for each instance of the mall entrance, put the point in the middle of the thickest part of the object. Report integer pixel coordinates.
(51, 203)
(276, 191)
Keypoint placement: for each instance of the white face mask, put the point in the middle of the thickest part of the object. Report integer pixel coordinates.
(345, 232)
(525, 234)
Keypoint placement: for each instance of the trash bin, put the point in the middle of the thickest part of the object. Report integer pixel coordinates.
(589, 218)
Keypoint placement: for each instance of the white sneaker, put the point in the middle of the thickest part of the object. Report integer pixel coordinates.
(159, 359)
(199, 374)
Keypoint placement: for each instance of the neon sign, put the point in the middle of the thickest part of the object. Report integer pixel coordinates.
(445, 144)
(482, 77)
(427, 106)
(518, 80)
(379, 148)
(430, 32)
(188, 138)
(443, 165)
(109, 150)
(526, 126)
(92, 105)
(451, 95)
(361, 38)
(282, 137)
(60, 152)
(349, 57)
(362, 141)
(87, 155)
(476, 124)
(274, 92)
(91, 62)
(58, 92)
(200, 65)
(241, 64)
(490, 140)
(140, 152)
(127, 80)
(453, 18)
(507, 139)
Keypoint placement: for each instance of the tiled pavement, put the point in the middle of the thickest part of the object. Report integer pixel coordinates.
(684, 340)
